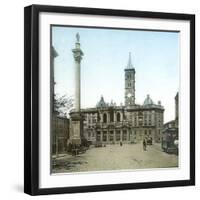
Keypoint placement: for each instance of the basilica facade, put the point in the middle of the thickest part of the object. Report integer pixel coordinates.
(108, 123)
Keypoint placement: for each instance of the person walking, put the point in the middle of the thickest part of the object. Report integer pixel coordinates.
(144, 145)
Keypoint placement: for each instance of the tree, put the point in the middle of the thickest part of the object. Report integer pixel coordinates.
(63, 104)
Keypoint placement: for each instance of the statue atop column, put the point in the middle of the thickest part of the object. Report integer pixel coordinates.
(77, 37)
(77, 52)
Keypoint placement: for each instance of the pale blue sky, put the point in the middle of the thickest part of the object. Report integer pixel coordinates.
(155, 57)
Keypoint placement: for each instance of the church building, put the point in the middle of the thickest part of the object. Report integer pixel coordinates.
(108, 123)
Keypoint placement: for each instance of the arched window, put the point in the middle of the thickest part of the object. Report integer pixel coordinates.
(118, 117)
(104, 117)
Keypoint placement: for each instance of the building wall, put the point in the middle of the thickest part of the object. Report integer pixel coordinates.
(115, 124)
(176, 108)
(60, 134)
(171, 128)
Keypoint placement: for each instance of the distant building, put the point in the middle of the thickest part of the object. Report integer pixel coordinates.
(176, 109)
(170, 131)
(60, 134)
(173, 123)
(129, 123)
(59, 125)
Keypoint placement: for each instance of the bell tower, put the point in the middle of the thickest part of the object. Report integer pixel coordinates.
(129, 83)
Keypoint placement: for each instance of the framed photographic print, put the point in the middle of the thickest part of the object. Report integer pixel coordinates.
(109, 100)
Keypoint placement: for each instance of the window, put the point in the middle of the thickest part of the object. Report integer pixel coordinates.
(111, 116)
(104, 136)
(98, 138)
(118, 117)
(149, 122)
(104, 117)
(124, 136)
(118, 135)
(111, 136)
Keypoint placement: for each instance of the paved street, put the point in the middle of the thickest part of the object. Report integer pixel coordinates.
(115, 157)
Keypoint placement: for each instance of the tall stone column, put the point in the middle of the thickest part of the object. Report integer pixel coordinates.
(121, 132)
(76, 126)
(54, 54)
(107, 136)
(101, 136)
(77, 53)
(54, 114)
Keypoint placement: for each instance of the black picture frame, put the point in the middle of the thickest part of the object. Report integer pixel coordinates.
(31, 98)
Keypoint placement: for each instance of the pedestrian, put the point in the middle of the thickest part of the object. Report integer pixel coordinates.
(121, 143)
(144, 145)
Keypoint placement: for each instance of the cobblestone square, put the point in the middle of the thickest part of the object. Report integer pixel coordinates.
(115, 157)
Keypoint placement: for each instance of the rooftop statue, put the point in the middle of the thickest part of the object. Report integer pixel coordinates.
(77, 37)
(148, 101)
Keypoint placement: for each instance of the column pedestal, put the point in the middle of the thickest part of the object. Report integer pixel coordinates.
(76, 128)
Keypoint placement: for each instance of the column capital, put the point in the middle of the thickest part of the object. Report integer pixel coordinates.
(78, 54)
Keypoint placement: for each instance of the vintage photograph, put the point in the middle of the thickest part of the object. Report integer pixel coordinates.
(114, 99)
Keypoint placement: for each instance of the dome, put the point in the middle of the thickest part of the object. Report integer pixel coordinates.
(148, 101)
(101, 103)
